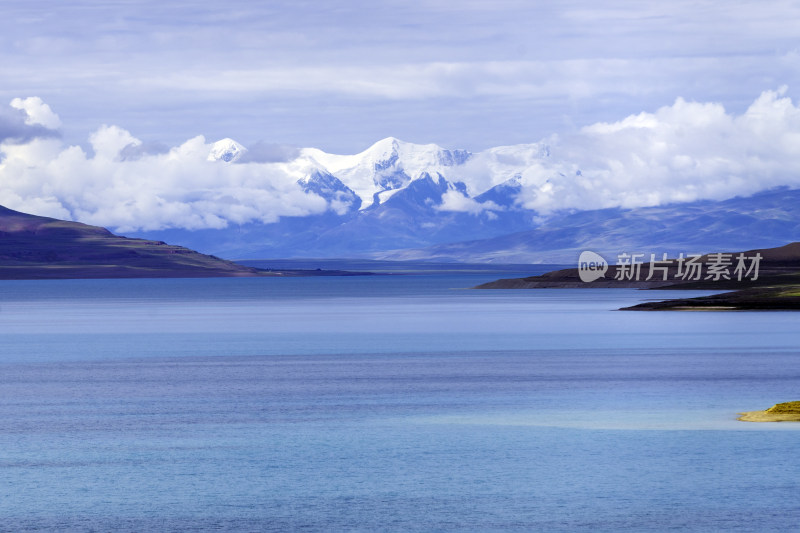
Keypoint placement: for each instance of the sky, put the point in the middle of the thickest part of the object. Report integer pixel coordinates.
(108, 108)
(341, 75)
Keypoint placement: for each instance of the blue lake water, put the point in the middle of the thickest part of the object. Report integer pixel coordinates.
(388, 403)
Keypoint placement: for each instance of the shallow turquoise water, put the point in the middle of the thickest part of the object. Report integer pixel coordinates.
(398, 403)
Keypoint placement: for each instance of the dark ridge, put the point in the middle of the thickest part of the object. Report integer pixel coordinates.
(35, 247)
(777, 286)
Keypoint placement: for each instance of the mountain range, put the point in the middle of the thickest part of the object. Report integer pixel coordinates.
(404, 201)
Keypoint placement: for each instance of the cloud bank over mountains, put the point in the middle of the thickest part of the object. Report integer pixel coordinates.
(678, 153)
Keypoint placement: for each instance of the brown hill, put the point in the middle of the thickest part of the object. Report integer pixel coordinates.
(34, 247)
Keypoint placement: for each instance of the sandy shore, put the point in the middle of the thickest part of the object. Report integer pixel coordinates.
(782, 412)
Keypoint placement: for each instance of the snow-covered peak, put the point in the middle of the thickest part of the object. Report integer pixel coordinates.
(414, 158)
(226, 150)
(388, 164)
(500, 164)
(391, 165)
(384, 148)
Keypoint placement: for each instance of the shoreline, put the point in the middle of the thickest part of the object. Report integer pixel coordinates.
(775, 286)
(765, 416)
(780, 412)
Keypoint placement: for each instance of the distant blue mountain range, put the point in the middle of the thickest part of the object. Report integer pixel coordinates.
(766, 219)
(409, 226)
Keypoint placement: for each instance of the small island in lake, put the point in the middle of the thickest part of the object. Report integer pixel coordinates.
(781, 412)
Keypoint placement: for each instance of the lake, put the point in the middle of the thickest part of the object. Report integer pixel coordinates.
(398, 402)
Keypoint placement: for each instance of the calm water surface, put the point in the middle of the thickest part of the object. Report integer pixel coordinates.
(387, 403)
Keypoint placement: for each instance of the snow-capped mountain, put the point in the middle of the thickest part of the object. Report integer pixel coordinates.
(392, 195)
(342, 199)
(403, 200)
(390, 165)
(385, 167)
(226, 150)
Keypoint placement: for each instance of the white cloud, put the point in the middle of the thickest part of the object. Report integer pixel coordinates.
(453, 200)
(38, 113)
(179, 188)
(109, 141)
(683, 152)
